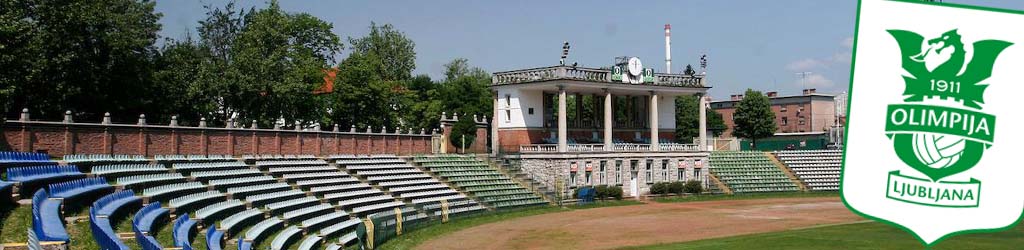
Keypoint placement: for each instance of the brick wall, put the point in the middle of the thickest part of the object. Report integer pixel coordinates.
(59, 139)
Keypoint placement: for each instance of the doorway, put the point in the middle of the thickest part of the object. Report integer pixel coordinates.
(634, 188)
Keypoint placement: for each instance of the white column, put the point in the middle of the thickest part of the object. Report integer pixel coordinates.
(703, 128)
(495, 146)
(655, 145)
(563, 143)
(608, 145)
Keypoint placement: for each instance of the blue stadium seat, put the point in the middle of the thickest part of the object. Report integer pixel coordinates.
(214, 238)
(72, 189)
(104, 233)
(184, 231)
(23, 157)
(113, 203)
(47, 221)
(42, 173)
(244, 245)
(143, 224)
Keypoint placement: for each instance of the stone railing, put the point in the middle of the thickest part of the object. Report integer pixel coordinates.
(631, 147)
(618, 147)
(585, 147)
(534, 148)
(678, 80)
(67, 137)
(678, 147)
(588, 74)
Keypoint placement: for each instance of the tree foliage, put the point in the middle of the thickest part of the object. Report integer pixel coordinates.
(754, 117)
(464, 131)
(263, 64)
(85, 56)
(688, 119)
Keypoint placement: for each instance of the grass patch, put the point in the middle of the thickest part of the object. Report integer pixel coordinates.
(693, 198)
(81, 236)
(16, 222)
(865, 236)
(418, 236)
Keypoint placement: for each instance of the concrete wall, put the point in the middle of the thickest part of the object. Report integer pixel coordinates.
(514, 106)
(58, 139)
(558, 170)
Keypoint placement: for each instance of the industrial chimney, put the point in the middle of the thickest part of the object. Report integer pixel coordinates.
(668, 48)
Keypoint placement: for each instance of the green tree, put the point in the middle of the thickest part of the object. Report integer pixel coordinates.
(754, 117)
(176, 83)
(688, 120)
(85, 56)
(465, 90)
(465, 128)
(280, 58)
(373, 87)
(393, 54)
(260, 64)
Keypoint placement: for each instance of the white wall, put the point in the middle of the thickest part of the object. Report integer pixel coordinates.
(518, 103)
(667, 112)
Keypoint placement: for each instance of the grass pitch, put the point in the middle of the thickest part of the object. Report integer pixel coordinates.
(867, 235)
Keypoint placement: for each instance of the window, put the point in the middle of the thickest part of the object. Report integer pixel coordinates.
(664, 170)
(588, 177)
(529, 111)
(618, 171)
(600, 175)
(696, 174)
(681, 174)
(572, 178)
(508, 116)
(508, 101)
(648, 172)
(802, 120)
(785, 121)
(783, 109)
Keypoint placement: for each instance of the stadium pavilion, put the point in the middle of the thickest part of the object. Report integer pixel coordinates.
(618, 130)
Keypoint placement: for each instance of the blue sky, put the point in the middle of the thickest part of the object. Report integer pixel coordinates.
(750, 44)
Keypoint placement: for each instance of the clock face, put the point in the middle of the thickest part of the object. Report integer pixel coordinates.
(635, 67)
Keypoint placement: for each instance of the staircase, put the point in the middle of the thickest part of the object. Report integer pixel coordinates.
(514, 171)
(799, 183)
(719, 185)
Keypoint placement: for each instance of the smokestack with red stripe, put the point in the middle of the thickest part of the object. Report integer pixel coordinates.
(668, 48)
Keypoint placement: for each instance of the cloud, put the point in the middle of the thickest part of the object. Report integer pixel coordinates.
(815, 81)
(842, 57)
(847, 43)
(805, 64)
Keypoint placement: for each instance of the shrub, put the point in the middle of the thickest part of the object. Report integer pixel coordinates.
(615, 192)
(601, 192)
(693, 187)
(659, 188)
(676, 187)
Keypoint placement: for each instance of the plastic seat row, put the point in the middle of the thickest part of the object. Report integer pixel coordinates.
(42, 173)
(23, 157)
(116, 170)
(144, 223)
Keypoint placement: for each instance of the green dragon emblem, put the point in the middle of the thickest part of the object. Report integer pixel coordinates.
(947, 136)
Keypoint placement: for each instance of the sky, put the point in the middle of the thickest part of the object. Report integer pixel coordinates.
(763, 45)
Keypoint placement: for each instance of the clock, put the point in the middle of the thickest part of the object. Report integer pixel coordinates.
(635, 66)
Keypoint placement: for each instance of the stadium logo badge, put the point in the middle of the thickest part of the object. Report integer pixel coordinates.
(931, 141)
(940, 129)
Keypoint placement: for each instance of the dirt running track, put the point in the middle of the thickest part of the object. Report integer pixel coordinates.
(653, 223)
